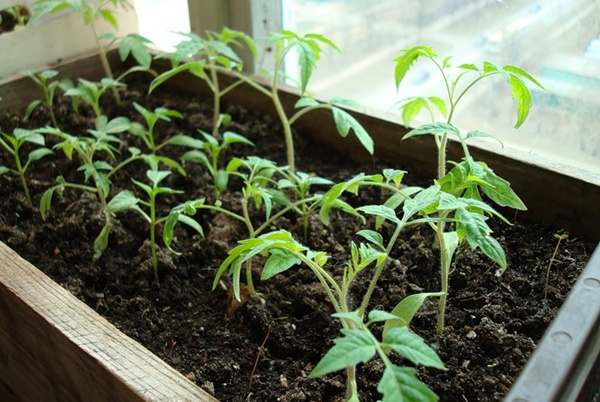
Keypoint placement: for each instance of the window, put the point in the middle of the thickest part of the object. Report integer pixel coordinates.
(557, 41)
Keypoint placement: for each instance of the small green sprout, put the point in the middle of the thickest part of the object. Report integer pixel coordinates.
(151, 118)
(91, 12)
(209, 154)
(89, 92)
(560, 238)
(13, 144)
(101, 140)
(48, 89)
(127, 200)
(213, 54)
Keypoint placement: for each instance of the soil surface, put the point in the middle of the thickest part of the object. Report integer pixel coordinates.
(264, 348)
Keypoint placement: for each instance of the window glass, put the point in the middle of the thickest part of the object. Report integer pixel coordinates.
(158, 20)
(557, 41)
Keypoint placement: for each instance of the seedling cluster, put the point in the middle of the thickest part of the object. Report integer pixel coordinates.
(456, 206)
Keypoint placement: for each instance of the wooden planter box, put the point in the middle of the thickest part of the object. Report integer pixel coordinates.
(54, 348)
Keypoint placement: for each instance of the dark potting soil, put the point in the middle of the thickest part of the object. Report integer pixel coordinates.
(263, 348)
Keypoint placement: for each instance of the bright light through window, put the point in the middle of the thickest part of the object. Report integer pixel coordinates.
(557, 41)
(158, 20)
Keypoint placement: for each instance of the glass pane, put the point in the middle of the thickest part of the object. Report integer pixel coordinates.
(158, 20)
(557, 41)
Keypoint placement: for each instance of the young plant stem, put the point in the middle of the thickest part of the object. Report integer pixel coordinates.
(105, 63)
(216, 102)
(251, 235)
(153, 224)
(367, 297)
(560, 239)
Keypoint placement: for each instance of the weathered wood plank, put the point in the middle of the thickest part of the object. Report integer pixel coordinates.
(55, 348)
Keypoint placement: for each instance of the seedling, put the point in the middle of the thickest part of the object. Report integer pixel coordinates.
(560, 238)
(92, 12)
(226, 61)
(468, 179)
(208, 155)
(48, 88)
(358, 343)
(101, 140)
(126, 200)
(151, 118)
(411, 107)
(13, 144)
(89, 92)
(215, 53)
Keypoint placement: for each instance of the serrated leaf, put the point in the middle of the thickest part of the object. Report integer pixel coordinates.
(382, 211)
(344, 122)
(279, 261)
(401, 384)
(501, 193)
(521, 93)
(356, 346)
(38, 154)
(121, 202)
(412, 347)
(473, 227)
(482, 134)
(434, 128)
(405, 61)
(372, 236)
(406, 309)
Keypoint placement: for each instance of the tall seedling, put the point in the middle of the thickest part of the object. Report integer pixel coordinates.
(308, 48)
(92, 12)
(468, 179)
(102, 140)
(213, 54)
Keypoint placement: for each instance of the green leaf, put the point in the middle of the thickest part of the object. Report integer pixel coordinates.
(305, 102)
(473, 227)
(182, 140)
(221, 178)
(356, 346)
(395, 175)
(280, 260)
(344, 122)
(434, 128)
(38, 154)
(482, 134)
(32, 106)
(121, 202)
(401, 384)
(412, 347)
(407, 58)
(101, 242)
(521, 93)
(3, 170)
(156, 176)
(406, 310)
(380, 316)
(343, 101)
(229, 137)
(372, 236)
(500, 191)
(109, 17)
(381, 211)
(413, 106)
